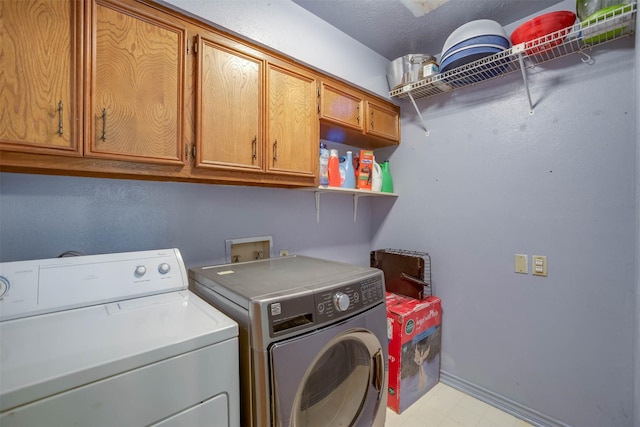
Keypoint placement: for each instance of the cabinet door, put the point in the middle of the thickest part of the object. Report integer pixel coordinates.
(293, 123)
(228, 108)
(137, 84)
(340, 107)
(382, 122)
(38, 70)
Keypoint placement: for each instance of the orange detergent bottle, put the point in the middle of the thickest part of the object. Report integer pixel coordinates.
(334, 169)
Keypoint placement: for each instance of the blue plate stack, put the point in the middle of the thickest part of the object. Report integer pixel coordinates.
(473, 41)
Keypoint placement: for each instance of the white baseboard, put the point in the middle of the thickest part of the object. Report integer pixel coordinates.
(507, 405)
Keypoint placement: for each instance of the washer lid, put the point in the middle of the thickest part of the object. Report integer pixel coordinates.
(47, 354)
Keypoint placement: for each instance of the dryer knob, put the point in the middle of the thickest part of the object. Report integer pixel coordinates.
(140, 271)
(164, 268)
(341, 301)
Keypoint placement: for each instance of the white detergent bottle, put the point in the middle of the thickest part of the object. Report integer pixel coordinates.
(376, 180)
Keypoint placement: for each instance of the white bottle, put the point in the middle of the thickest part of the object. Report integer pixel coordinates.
(324, 164)
(376, 182)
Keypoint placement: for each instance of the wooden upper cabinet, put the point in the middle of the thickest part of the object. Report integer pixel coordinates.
(341, 107)
(292, 133)
(256, 117)
(135, 99)
(353, 117)
(383, 121)
(116, 88)
(229, 100)
(39, 63)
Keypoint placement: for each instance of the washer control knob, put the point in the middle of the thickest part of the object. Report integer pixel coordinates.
(164, 268)
(4, 286)
(141, 270)
(341, 301)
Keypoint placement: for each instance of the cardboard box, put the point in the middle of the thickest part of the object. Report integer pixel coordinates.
(413, 329)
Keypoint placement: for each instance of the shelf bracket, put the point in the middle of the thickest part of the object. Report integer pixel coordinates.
(317, 194)
(586, 58)
(355, 206)
(526, 81)
(419, 114)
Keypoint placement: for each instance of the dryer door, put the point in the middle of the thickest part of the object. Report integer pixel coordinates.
(336, 376)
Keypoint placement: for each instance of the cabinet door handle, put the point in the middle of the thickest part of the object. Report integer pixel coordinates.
(372, 120)
(358, 117)
(254, 143)
(60, 117)
(275, 152)
(104, 124)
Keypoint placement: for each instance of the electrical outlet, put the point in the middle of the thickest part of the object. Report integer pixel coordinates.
(521, 264)
(539, 265)
(284, 252)
(248, 249)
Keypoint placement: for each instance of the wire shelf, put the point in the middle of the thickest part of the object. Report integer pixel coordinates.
(578, 38)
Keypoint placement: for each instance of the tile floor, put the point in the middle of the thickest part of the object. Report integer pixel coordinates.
(444, 406)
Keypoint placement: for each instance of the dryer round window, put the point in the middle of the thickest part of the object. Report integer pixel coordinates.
(340, 372)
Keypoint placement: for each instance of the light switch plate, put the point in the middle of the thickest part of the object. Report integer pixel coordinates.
(539, 265)
(521, 264)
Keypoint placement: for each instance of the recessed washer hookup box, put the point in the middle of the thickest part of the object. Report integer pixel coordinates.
(413, 330)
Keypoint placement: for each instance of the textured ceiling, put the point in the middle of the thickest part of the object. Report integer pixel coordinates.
(391, 27)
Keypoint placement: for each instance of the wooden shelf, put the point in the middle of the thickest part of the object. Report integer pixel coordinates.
(349, 191)
(340, 190)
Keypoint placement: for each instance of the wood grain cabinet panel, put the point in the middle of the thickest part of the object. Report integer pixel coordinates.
(354, 117)
(136, 80)
(292, 137)
(228, 108)
(383, 121)
(39, 66)
(341, 107)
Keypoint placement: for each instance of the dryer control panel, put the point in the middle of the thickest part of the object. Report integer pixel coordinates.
(343, 301)
(304, 310)
(29, 288)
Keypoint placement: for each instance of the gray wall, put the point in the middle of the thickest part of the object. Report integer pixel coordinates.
(490, 181)
(42, 216)
(636, 372)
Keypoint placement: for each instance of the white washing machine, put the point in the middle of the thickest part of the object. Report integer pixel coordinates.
(113, 340)
(313, 339)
